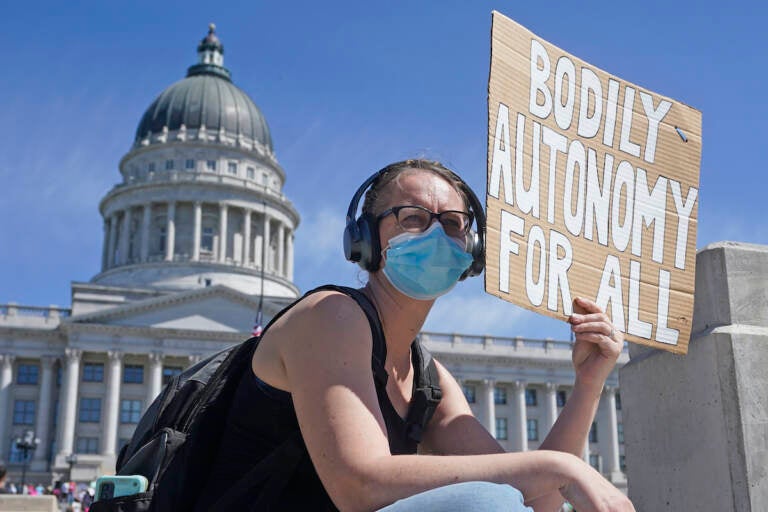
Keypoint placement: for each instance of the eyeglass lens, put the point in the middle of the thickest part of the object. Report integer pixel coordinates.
(417, 219)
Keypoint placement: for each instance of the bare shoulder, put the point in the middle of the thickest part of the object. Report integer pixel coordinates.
(326, 317)
(323, 325)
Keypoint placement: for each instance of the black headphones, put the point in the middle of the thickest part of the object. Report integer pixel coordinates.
(361, 235)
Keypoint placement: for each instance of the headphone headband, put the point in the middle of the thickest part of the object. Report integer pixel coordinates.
(361, 234)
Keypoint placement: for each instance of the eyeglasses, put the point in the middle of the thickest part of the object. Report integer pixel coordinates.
(416, 219)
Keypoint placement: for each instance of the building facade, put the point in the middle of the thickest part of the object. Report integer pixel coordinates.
(194, 234)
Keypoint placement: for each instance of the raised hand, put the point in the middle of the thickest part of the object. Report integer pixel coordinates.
(598, 343)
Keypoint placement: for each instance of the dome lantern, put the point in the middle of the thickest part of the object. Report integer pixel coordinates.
(210, 54)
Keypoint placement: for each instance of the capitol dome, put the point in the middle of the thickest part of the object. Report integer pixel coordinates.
(206, 99)
(201, 200)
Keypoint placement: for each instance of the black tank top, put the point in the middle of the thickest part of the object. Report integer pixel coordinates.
(263, 417)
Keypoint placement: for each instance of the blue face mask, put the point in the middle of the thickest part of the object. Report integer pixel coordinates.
(425, 265)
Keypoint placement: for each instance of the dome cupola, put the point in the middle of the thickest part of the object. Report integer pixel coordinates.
(205, 106)
(211, 56)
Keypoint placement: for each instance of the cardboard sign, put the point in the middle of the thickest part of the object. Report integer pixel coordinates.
(592, 191)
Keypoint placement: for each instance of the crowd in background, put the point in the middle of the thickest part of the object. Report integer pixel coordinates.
(70, 495)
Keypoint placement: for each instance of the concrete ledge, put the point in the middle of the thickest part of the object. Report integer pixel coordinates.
(16, 503)
(696, 426)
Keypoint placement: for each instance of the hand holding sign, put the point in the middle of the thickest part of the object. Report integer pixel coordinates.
(598, 344)
(592, 191)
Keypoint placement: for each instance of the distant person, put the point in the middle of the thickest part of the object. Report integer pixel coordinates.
(3, 475)
(312, 373)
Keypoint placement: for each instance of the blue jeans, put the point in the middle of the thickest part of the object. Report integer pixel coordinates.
(463, 497)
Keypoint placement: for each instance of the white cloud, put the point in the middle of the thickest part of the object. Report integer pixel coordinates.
(319, 255)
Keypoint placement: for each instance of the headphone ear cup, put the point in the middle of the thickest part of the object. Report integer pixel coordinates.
(352, 242)
(476, 249)
(370, 245)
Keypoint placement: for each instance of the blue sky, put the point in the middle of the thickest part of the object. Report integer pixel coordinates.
(346, 87)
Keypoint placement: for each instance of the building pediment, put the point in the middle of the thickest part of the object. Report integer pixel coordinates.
(213, 309)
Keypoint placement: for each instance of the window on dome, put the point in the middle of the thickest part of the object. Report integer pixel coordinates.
(161, 240)
(151, 167)
(250, 173)
(206, 240)
(264, 178)
(168, 165)
(189, 164)
(211, 165)
(232, 168)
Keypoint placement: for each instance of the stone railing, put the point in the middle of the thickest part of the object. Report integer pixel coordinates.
(176, 176)
(448, 341)
(14, 310)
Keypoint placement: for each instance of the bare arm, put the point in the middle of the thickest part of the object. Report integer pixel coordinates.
(594, 357)
(454, 430)
(326, 355)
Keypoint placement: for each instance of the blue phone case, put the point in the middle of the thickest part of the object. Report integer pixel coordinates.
(114, 486)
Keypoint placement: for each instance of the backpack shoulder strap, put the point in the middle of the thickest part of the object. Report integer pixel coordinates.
(427, 393)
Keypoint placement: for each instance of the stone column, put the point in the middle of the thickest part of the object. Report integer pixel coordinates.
(6, 382)
(112, 240)
(112, 403)
(550, 406)
(155, 377)
(266, 244)
(222, 233)
(696, 426)
(170, 232)
(520, 427)
(146, 222)
(490, 406)
(44, 409)
(247, 238)
(68, 401)
(280, 249)
(105, 245)
(196, 231)
(125, 237)
(610, 437)
(289, 256)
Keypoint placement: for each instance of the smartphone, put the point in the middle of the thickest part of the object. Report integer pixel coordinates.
(113, 486)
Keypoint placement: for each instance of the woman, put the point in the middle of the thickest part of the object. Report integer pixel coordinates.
(315, 362)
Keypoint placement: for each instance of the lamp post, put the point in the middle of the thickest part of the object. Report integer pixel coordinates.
(71, 459)
(27, 444)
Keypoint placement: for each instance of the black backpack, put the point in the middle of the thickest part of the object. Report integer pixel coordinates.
(177, 439)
